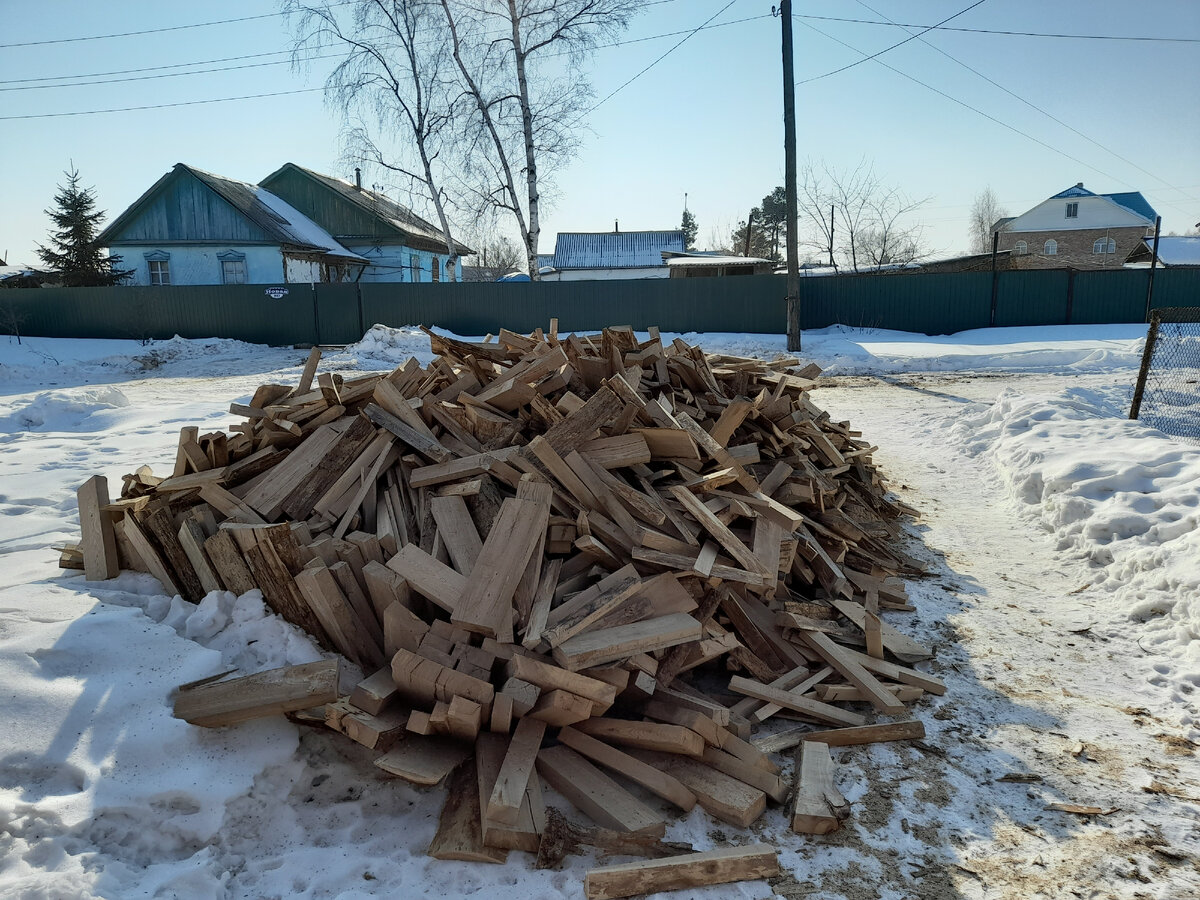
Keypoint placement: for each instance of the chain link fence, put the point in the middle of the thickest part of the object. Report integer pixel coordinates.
(1167, 396)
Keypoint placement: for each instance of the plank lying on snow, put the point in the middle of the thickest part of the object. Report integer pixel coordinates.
(688, 870)
(269, 693)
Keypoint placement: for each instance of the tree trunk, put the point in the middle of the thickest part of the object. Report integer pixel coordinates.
(531, 237)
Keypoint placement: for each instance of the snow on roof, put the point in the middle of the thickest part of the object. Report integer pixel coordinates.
(1178, 250)
(614, 249)
(716, 261)
(306, 230)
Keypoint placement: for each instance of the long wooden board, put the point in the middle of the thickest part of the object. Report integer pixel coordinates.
(688, 870)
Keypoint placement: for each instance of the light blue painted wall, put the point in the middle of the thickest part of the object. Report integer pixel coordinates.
(191, 264)
(390, 263)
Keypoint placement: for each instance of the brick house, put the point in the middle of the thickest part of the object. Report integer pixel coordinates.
(1077, 229)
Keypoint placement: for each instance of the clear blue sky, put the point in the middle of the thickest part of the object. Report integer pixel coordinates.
(706, 120)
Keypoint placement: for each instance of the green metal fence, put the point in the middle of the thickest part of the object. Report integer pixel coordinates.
(340, 313)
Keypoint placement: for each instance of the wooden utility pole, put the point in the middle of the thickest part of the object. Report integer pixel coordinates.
(789, 178)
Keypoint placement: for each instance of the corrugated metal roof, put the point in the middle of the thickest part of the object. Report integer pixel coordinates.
(614, 249)
(1134, 202)
(376, 204)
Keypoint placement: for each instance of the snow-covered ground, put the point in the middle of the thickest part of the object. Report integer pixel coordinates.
(1064, 599)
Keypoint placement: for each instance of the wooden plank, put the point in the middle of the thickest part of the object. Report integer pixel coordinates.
(424, 444)
(339, 619)
(230, 506)
(911, 730)
(378, 732)
(504, 804)
(423, 760)
(588, 606)
(669, 788)
(879, 696)
(580, 425)
(817, 710)
(897, 643)
(486, 599)
(152, 562)
(375, 693)
(268, 693)
(157, 522)
(818, 807)
(191, 539)
(645, 735)
(595, 794)
(456, 469)
(769, 783)
(551, 678)
(267, 496)
(350, 444)
(98, 542)
(688, 870)
(428, 577)
(457, 530)
(459, 834)
(797, 682)
(890, 670)
(525, 834)
(720, 795)
(714, 526)
(594, 648)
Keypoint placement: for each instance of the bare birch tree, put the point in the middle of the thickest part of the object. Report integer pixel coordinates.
(393, 86)
(985, 212)
(519, 62)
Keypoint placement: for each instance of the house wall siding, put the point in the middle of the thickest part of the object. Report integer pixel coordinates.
(1094, 212)
(1074, 247)
(390, 263)
(188, 210)
(200, 265)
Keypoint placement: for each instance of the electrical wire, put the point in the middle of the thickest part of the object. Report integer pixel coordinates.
(1041, 34)
(93, 112)
(911, 37)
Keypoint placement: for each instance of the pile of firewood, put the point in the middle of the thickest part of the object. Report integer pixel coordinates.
(584, 560)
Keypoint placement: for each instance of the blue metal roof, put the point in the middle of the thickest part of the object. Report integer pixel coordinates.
(614, 249)
(1077, 190)
(1134, 202)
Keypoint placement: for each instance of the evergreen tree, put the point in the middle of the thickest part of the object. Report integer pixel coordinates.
(73, 253)
(690, 229)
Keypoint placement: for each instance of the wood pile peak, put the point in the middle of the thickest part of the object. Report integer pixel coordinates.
(588, 561)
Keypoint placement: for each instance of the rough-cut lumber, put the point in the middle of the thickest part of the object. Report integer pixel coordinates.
(525, 833)
(595, 794)
(818, 807)
(824, 711)
(428, 577)
(423, 760)
(228, 563)
(459, 835)
(719, 794)
(652, 779)
(98, 542)
(504, 804)
(686, 871)
(267, 693)
(550, 678)
(645, 735)
(151, 561)
(844, 737)
(878, 696)
(594, 648)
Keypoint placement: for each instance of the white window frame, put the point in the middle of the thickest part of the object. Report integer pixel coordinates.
(158, 268)
(414, 268)
(1050, 248)
(1103, 246)
(1020, 248)
(1073, 210)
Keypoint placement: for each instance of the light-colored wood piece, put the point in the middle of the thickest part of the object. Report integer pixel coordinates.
(911, 730)
(652, 779)
(602, 645)
(269, 693)
(98, 541)
(645, 735)
(595, 794)
(423, 760)
(879, 696)
(818, 807)
(814, 708)
(504, 804)
(688, 870)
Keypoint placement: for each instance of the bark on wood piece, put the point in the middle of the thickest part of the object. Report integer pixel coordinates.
(149, 556)
(375, 732)
(595, 794)
(689, 870)
(719, 794)
(594, 648)
(487, 596)
(157, 523)
(424, 444)
(652, 779)
(267, 496)
(272, 555)
(424, 760)
(339, 619)
(645, 735)
(459, 835)
(228, 563)
(819, 807)
(844, 737)
(269, 693)
(504, 803)
(590, 605)
(879, 696)
(814, 708)
(349, 445)
(98, 542)
(580, 425)
(562, 838)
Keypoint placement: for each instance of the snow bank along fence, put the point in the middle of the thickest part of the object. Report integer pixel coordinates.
(341, 313)
(587, 562)
(1167, 395)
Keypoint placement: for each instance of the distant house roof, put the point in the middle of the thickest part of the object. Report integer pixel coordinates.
(1173, 250)
(614, 249)
(1130, 200)
(419, 233)
(277, 220)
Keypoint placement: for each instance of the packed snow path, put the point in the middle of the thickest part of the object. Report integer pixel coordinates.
(1063, 599)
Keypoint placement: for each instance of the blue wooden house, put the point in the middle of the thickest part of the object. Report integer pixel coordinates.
(397, 243)
(193, 227)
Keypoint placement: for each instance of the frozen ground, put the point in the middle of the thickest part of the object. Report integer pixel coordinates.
(1064, 599)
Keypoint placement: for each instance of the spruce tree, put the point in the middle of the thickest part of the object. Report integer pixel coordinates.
(689, 228)
(73, 254)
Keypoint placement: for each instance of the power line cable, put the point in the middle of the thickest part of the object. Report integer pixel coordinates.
(1041, 34)
(1033, 106)
(92, 112)
(74, 84)
(199, 62)
(912, 37)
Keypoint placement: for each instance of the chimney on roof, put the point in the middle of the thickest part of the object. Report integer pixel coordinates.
(358, 177)
(616, 226)
(1079, 184)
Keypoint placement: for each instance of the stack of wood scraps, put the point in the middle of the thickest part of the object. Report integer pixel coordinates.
(591, 562)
